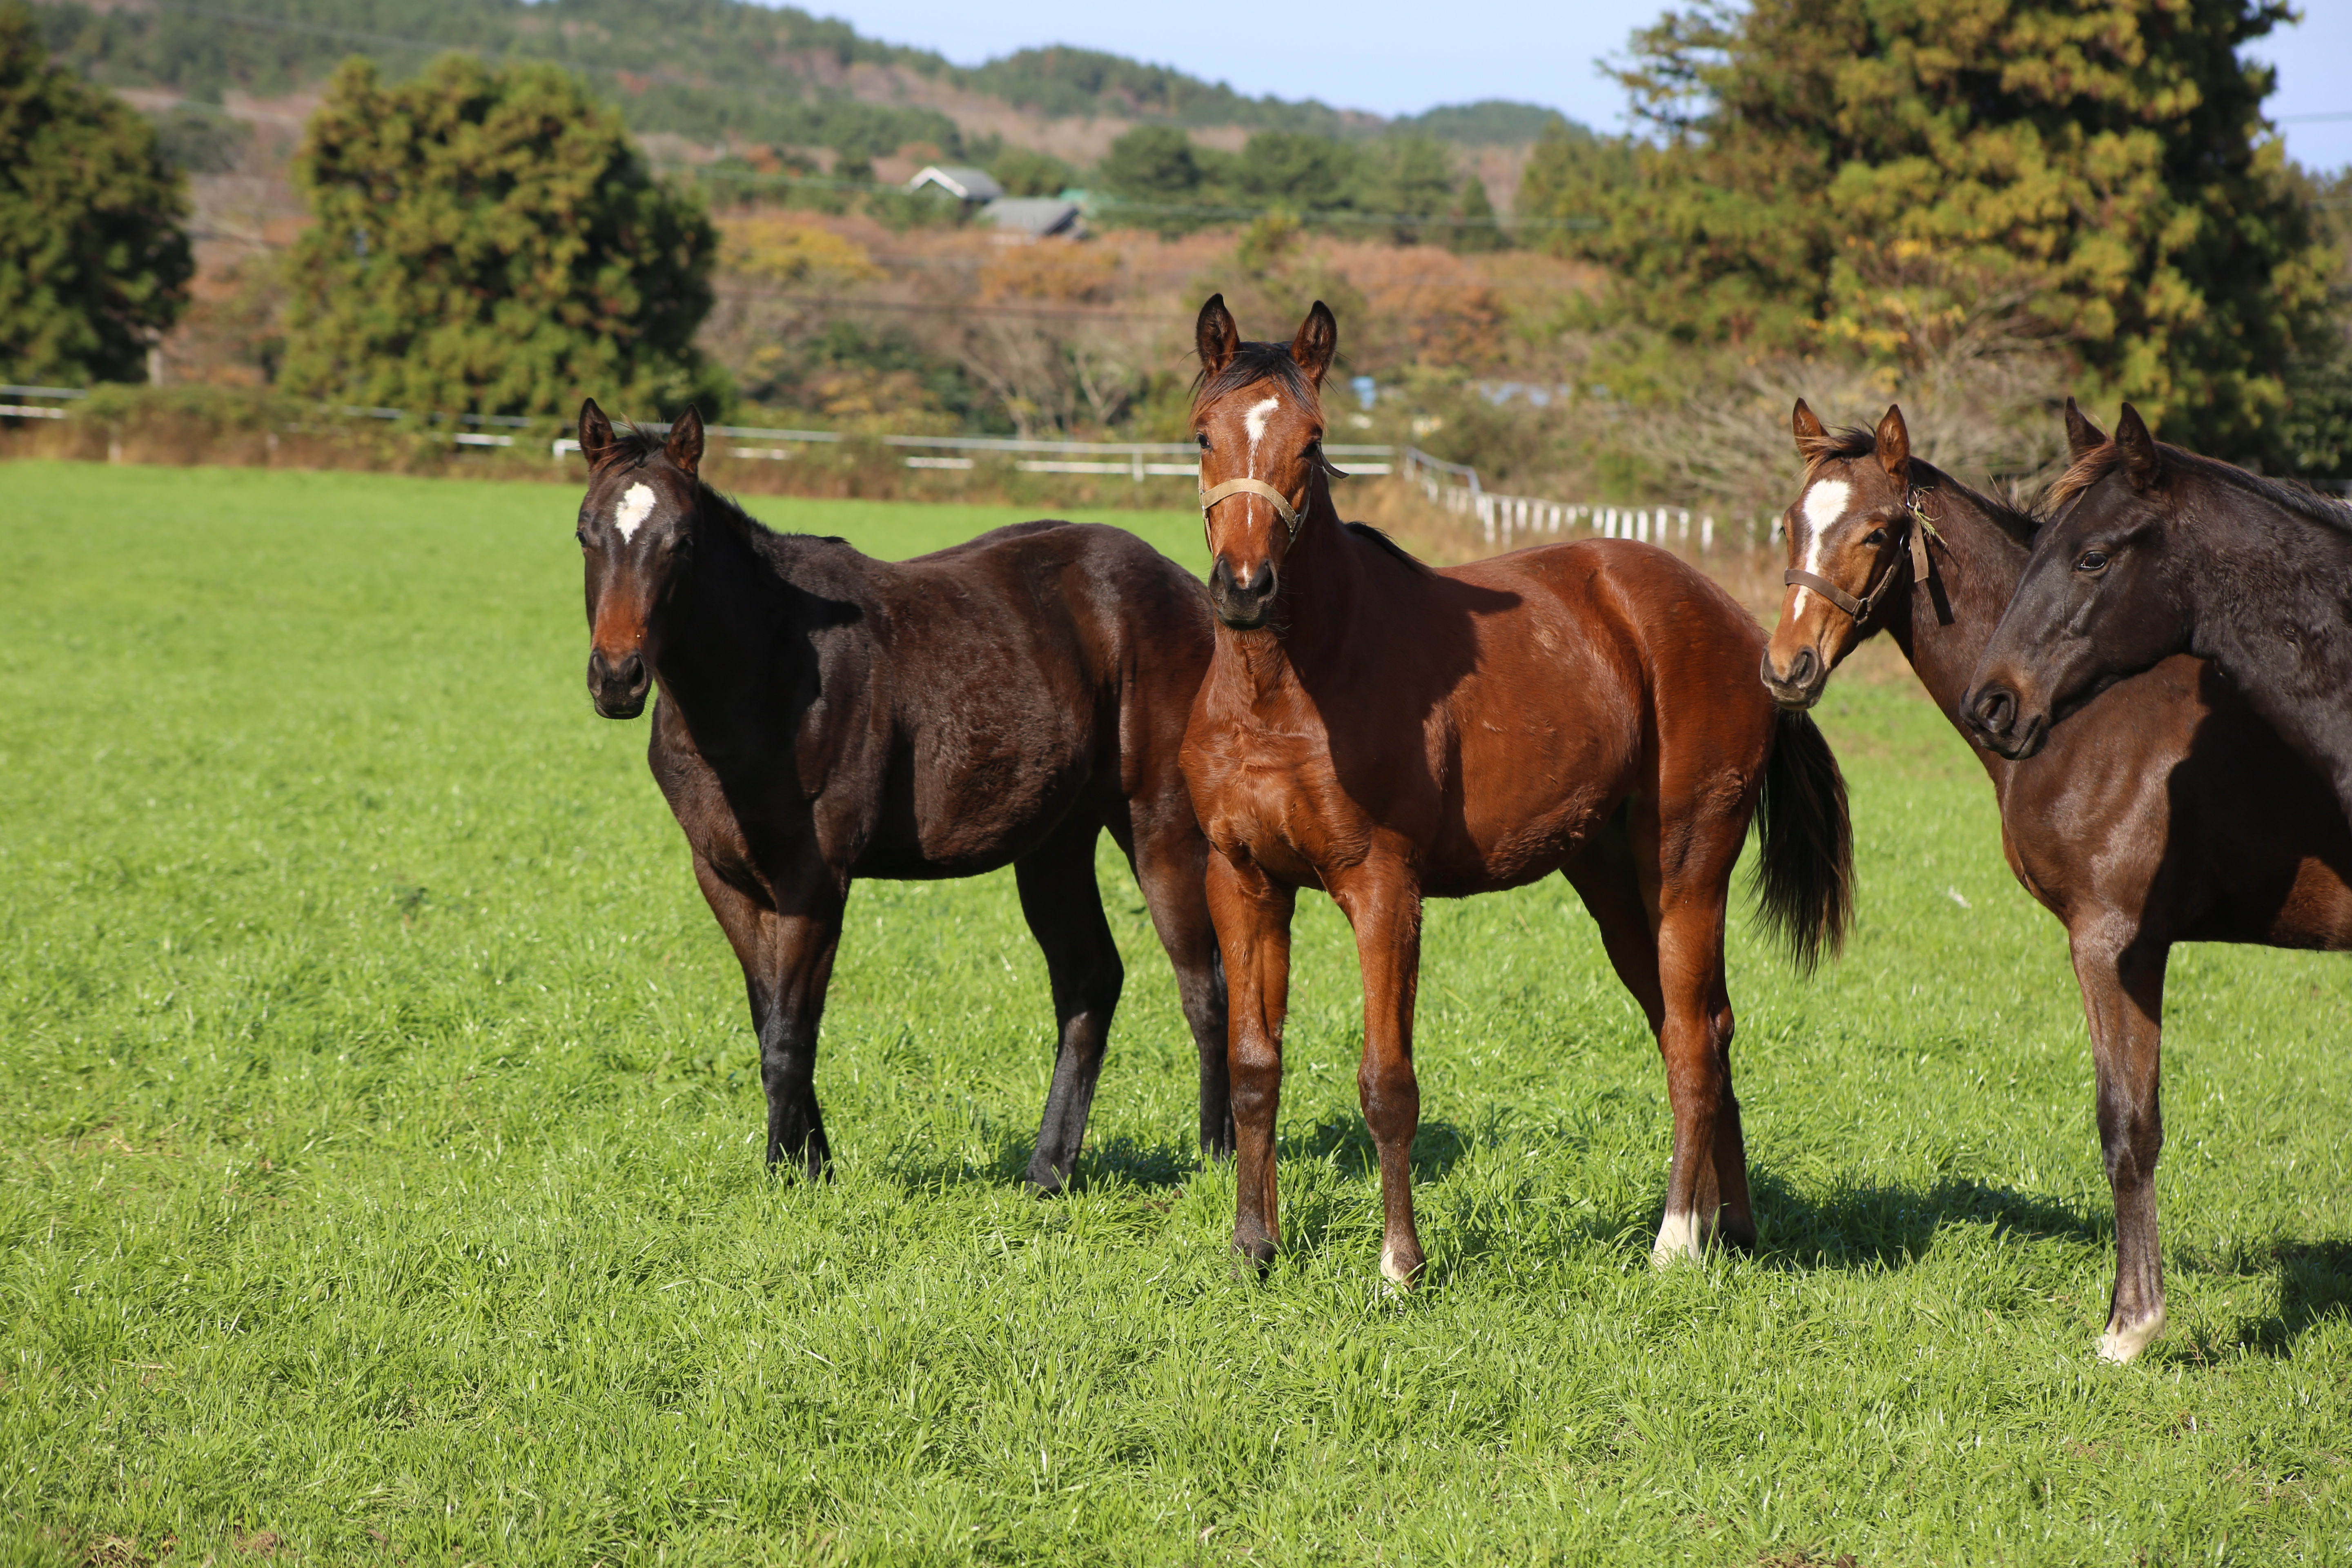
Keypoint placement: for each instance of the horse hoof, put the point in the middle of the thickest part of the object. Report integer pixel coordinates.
(2123, 1342)
(1400, 1268)
(1252, 1256)
(1678, 1238)
(1044, 1180)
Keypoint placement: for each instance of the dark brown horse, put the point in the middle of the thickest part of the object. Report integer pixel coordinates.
(2153, 550)
(2166, 810)
(1387, 732)
(825, 716)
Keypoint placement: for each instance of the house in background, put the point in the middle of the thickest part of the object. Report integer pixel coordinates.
(971, 187)
(1014, 218)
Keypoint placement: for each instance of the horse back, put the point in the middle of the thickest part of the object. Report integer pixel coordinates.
(1030, 670)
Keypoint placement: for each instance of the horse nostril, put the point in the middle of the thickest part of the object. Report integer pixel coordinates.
(1996, 710)
(1801, 668)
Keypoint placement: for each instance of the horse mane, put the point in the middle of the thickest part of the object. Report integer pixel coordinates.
(1380, 537)
(2298, 499)
(1856, 441)
(1250, 364)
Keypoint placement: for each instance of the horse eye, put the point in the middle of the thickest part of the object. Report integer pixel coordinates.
(1875, 536)
(1203, 439)
(2092, 560)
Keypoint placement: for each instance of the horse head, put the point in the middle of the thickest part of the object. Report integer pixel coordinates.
(1257, 413)
(2092, 605)
(1847, 532)
(637, 542)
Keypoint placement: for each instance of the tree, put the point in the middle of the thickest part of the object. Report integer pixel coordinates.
(94, 263)
(1412, 178)
(1295, 171)
(487, 242)
(2097, 170)
(1477, 229)
(1158, 166)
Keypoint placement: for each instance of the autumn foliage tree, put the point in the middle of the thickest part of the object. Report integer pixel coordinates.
(94, 262)
(488, 242)
(2096, 171)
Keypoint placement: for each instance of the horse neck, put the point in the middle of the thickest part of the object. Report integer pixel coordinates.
(712, 634)
(1322, 572)
(1977, 564)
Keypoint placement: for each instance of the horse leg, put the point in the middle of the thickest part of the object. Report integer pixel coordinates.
(1063, 904)
(1384, 906)
(2122, 998)
(1171, 867)
(787, 956)
(1666, 946)
(1252, 916)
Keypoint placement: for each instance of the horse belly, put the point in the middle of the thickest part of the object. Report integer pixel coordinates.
(1534, 785)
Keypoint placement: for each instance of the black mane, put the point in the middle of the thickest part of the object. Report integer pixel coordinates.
(641, 444)
(1250, 364)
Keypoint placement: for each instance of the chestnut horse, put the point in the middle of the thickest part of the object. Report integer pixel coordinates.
(825, 716)
(1388, 732)
(2167, 811)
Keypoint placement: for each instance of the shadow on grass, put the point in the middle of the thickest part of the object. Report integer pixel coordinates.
(1893, 1227)
(2314, 1285)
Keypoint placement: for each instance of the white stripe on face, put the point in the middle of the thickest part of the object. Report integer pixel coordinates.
(634, 508)
(1824, 504)
(1253, 421)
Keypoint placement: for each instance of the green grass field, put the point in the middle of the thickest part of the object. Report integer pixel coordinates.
(379, 1177)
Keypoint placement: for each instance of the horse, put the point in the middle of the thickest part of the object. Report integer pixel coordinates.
(2166, 810)
(824, 716)
(2154, 551)
(1388, 732)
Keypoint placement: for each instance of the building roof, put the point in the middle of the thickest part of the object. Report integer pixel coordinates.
(964, 184)
(1034, 215)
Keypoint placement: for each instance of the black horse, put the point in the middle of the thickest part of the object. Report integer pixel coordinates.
(2167, 812)
(825, 716)
(2155, 551)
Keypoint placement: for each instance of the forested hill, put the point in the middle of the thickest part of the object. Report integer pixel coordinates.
(705, 69)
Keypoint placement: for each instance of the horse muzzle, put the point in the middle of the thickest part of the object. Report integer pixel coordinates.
(1996, 717)
(1242, 602)
(1801, 686)
(618, 686)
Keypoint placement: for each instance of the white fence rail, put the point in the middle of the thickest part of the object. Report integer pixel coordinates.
(1503, 518)
(1138, 461)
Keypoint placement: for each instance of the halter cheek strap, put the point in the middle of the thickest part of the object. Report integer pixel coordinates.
(1282, 506)
(1923, 568)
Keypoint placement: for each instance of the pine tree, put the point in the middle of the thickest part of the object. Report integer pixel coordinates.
(94, 263)
(487, 242)
(2097, 171)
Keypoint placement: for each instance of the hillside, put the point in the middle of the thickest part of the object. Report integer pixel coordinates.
(718, 73)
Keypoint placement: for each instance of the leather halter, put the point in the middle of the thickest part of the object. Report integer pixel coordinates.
(1289, 513)
(1916, 526)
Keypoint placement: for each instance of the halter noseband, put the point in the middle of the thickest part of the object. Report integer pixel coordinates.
(1289, 513)
(1923, 567)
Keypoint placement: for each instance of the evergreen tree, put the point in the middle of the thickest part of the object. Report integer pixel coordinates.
(487, 242)
(2096, 169)
(1478, 229)
(94, 264)
(1157, 167)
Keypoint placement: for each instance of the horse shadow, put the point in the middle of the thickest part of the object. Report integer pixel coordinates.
(1882, 1226)
(2314, 1281)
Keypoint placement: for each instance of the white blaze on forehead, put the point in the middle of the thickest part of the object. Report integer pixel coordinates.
(1824, 504)
(635, 507)
(1253, 421)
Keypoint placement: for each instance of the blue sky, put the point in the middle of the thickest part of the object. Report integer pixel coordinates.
(1398, 58)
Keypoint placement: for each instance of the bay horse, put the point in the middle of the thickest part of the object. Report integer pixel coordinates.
(824, 716)
(2166, 810)
(2154, 551)
(1389, 733)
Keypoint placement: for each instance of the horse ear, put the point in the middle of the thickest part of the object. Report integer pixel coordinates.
(1894, 438)
(595, 431)
(2081, 435)
(684, 448)
(1217, 335)
(1317, 342)
(2142, 465)
(1807, 427)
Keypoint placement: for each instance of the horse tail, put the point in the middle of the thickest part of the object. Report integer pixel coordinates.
(1804, 872)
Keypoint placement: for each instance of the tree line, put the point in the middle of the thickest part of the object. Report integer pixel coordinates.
(2079, 196)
